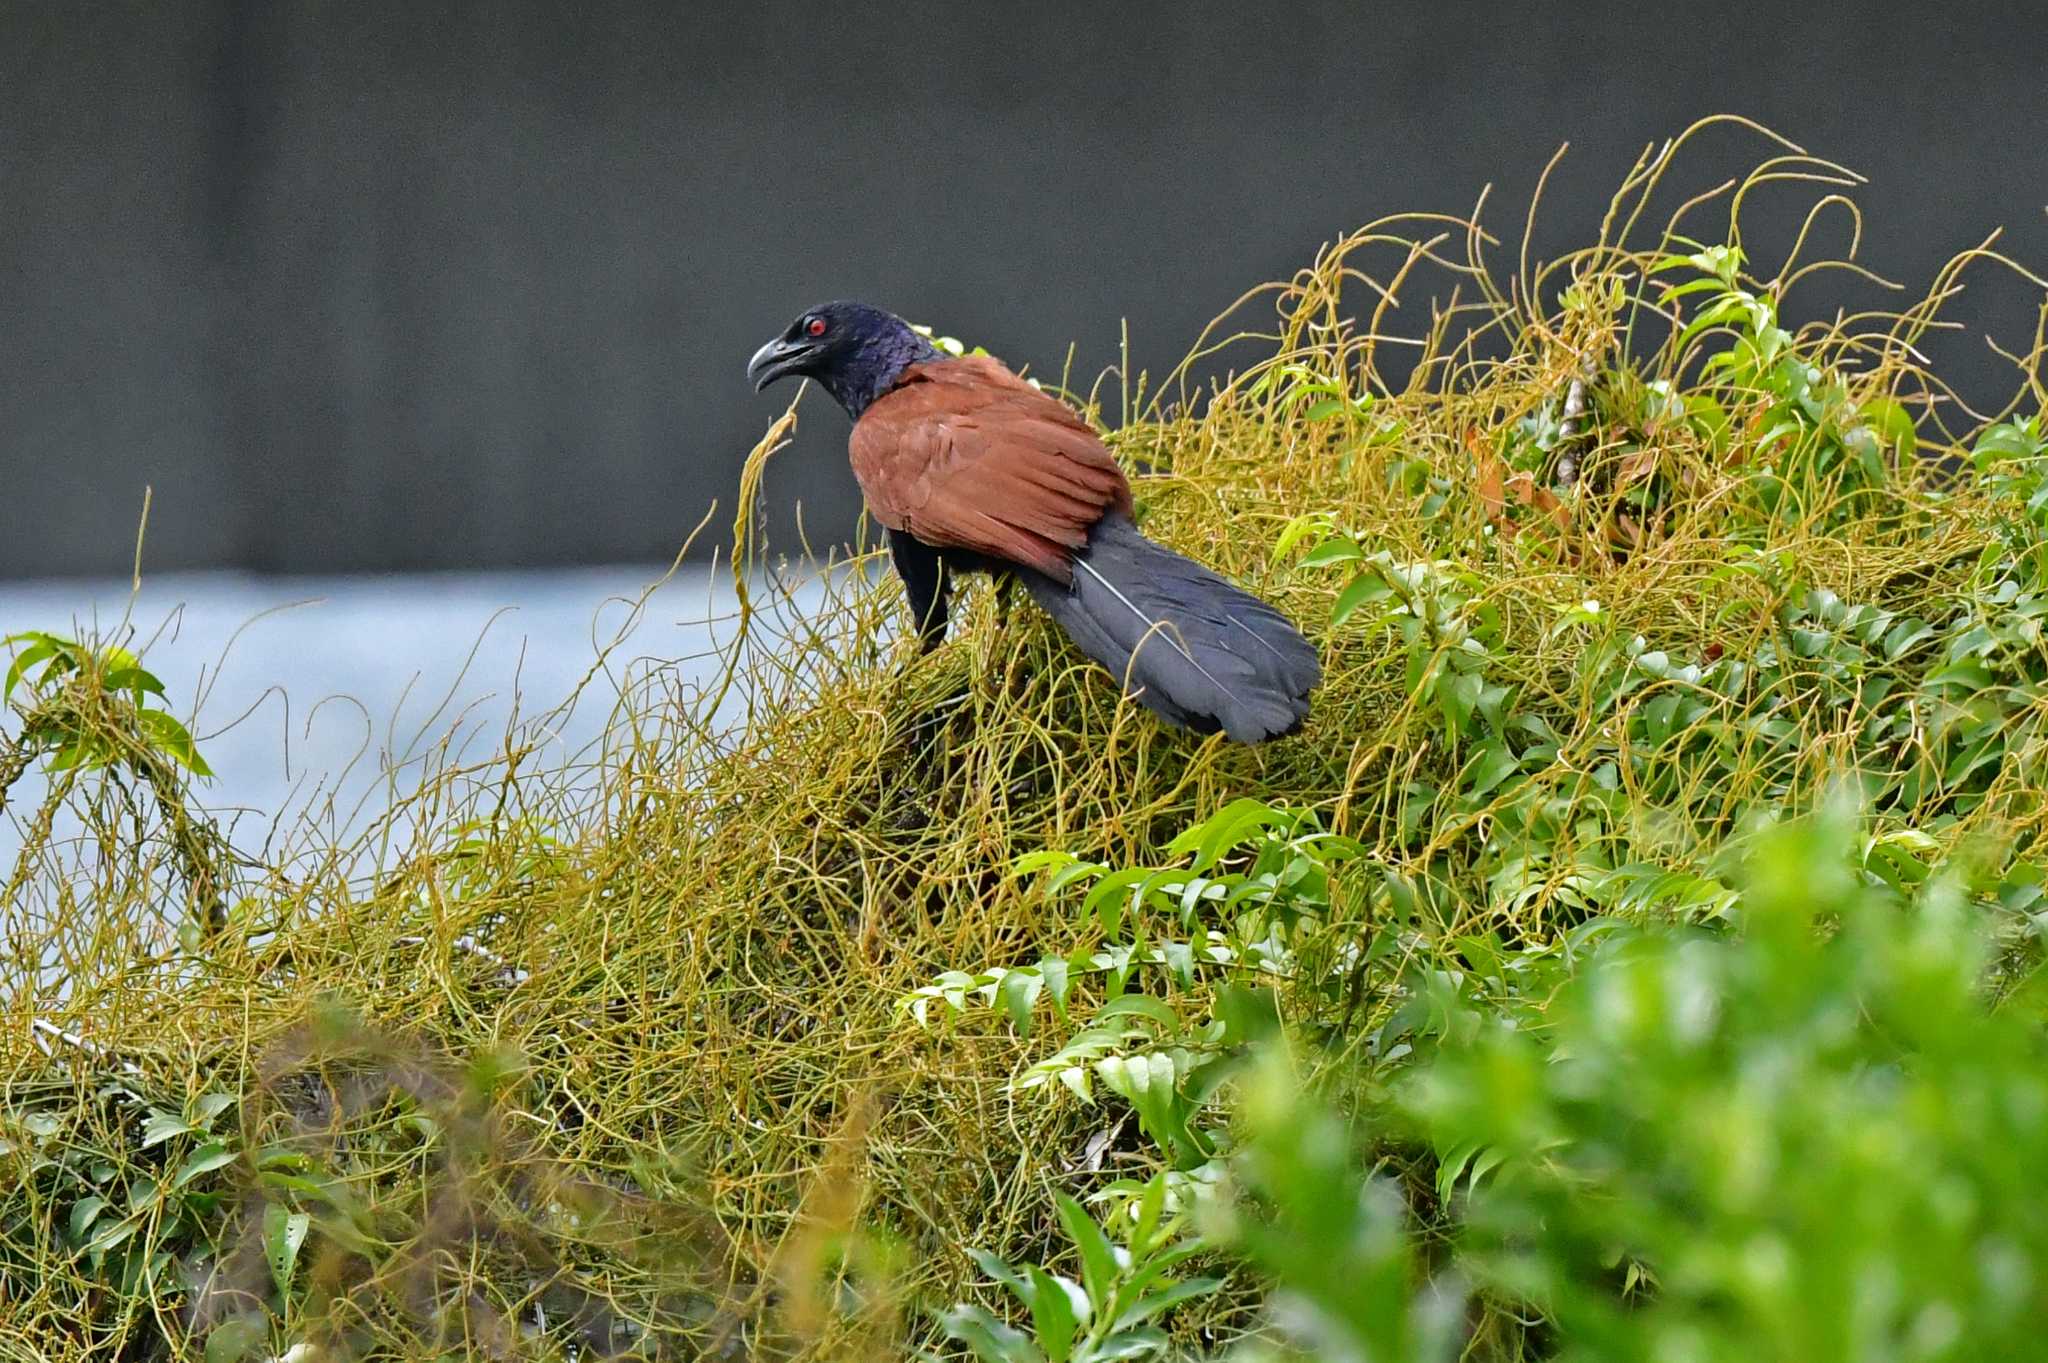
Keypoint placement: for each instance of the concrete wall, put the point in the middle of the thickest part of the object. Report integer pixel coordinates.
(362, 285)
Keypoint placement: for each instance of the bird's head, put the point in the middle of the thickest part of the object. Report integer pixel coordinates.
(855, 352)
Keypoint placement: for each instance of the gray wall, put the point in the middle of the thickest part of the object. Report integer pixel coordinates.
(362, 285)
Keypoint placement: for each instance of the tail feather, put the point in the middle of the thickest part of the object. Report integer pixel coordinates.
(1200, 652)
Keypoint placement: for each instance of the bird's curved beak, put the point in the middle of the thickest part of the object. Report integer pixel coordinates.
(780, 356)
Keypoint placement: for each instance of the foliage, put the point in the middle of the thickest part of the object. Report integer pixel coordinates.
(1811, 1140)
(1346, 1277)
(1108, 1313)
(120, 1186)
(1241, 926)
(92, 707)
(114, 753)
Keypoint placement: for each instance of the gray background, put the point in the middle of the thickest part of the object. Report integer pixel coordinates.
(369, 286)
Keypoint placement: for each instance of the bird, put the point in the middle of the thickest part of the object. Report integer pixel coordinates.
(969, 468)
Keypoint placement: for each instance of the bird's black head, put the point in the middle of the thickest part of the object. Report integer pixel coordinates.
(855, 352)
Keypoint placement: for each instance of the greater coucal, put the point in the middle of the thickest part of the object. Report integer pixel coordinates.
(970, 468)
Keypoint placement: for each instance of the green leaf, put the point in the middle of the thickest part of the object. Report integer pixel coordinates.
(1672, 291)
(1018, 991)
(83, 1213)
(1055, 1312)
(1099, 1269)
(1155, 1268)
(23, 661)
(990, 1339)
(1365, 588)
(1151, 1206)
(1166, 1299)
(1458, 697)
(232, 1339)
(1107, 899)
(999, 1269)
(209, 1106)
(108, 1236)
(2007, 440)
(205, 1159)
(1226, 829)
(1140, 1005)
(1332, 551)
(1969, 673)
(1990, 748)
(1904, 636)
(160, 1126)
(1139, 1343)
(1727, 308)
(1055, 971)
(1033, 862)
(1298, 529)
(1493, 763)
(133, 679)
(70, 755)
(1890, 419)
(283, 1157)
(171, 738)
(283, 1232)
(1248, 1012)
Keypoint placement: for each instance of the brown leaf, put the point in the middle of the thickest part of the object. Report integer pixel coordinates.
(1488, 484)
(1634, 466)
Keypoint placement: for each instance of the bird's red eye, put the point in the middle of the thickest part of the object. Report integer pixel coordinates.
(816, 326)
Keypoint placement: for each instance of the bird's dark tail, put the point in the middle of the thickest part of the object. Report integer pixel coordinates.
(1207, 655)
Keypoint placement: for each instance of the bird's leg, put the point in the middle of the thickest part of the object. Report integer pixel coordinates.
(926, 583)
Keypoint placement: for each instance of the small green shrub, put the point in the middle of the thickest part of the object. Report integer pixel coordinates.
(1813, 1137)
(1106, 1315)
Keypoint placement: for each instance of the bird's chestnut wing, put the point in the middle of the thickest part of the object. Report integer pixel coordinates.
(964, 454)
